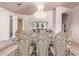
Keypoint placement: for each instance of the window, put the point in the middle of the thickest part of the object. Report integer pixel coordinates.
(11, 26)
(40, 24)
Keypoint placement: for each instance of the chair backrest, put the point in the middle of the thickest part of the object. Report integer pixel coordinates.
(42, 48)
(23, 44)
(42, 45)
(60, 43)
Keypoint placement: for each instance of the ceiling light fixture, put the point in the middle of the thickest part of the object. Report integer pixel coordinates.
(40, 14)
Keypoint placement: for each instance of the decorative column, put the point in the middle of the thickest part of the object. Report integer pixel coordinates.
(58, 20)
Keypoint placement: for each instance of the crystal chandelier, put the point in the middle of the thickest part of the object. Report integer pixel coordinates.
(40, 14)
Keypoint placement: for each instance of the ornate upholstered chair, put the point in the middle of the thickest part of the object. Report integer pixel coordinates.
(23, 45)
(42, 44)
(62, 40)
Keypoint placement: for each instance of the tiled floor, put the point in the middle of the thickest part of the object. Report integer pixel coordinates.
(5, 43)
(75, 49)
(6, 47)
(8, 50)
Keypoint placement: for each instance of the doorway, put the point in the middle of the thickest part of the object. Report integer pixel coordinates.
(64, 22)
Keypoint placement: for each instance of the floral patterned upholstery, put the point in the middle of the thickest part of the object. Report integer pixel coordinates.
(45, 42)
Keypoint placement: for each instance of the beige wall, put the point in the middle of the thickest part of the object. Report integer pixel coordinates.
(75, 24)
(4, 24)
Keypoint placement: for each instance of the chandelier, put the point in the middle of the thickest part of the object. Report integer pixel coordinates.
(40, 14)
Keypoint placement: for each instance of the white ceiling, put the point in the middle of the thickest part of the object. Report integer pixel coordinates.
(30, 7)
